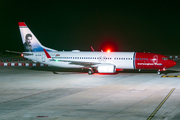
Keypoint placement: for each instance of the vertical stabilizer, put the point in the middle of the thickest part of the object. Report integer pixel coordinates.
(30, 42)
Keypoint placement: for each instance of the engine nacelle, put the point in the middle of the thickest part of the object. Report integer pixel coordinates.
(106, 68)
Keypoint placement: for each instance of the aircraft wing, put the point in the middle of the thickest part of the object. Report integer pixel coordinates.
(81, 63)
(84, 64)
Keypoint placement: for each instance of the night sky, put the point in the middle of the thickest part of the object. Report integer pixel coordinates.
(151, 26)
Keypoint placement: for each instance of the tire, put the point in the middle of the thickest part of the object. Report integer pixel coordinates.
(90, 72)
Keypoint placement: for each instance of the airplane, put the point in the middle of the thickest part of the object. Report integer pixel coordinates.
(102, 62)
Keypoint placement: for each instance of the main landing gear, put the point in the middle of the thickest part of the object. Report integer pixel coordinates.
(90, 71)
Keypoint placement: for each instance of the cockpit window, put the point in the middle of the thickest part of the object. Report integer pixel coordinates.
(165, 58)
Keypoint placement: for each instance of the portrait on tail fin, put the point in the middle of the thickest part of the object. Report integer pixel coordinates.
(27, 44)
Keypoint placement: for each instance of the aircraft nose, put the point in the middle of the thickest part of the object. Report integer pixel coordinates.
(173, 63)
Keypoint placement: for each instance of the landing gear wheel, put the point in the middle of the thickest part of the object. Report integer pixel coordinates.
(158, 72)
(90, 72)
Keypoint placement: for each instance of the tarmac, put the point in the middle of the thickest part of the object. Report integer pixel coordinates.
(36, 93)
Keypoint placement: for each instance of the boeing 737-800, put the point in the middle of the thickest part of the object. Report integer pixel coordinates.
(103, 62)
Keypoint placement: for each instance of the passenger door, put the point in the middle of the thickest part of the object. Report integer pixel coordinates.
(43, 58)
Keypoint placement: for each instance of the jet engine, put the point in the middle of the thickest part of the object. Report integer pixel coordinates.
(106, 68)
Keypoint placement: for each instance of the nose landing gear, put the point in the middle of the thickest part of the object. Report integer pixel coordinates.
(158, 72)
(162, 70)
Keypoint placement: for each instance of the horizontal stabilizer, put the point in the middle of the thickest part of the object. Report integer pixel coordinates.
(19, 52)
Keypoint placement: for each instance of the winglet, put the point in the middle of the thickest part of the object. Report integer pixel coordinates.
(92, 49)
(47, 54)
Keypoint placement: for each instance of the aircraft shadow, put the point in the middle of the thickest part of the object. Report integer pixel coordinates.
(55, 70)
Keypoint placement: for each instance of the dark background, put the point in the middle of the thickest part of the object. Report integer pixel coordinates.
(151, 26)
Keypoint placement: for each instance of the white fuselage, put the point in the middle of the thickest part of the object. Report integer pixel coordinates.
(122, 60)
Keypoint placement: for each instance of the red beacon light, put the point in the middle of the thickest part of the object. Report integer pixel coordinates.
(22, 55)
(108, 51)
